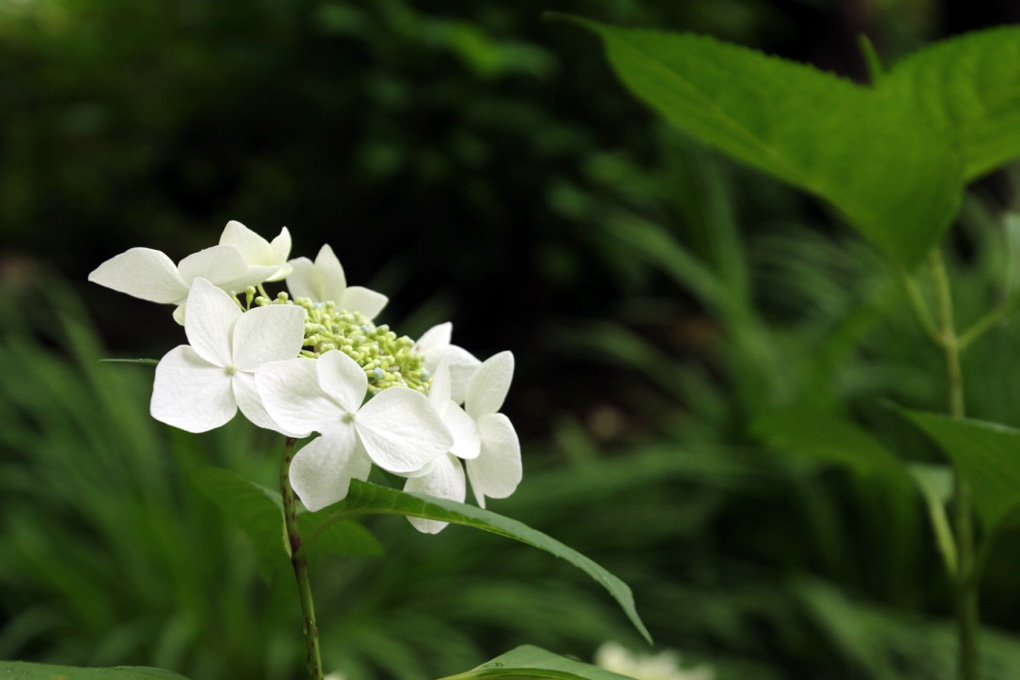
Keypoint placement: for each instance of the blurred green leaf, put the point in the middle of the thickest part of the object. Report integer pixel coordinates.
(255, 509)
(147, 362)
(368, 498)
(869, 152)
(343, 537)
(970, 86)
(19, 670)
(534, 662)
(829, 438)
(986, 454)
(259, 513)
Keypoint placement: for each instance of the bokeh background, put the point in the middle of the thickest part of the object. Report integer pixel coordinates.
(480, 165)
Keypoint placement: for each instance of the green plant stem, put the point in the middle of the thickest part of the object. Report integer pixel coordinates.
(986, 323)
(300, 564)
(965, 585)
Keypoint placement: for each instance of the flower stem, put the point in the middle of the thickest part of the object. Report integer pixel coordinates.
(300, 564)
(965, 585)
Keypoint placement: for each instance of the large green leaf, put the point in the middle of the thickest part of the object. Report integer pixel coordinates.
(869, 152)
(20, 670)
(969, 85)
(987, 455)
(259, 512)
(535, 662)
(367, 498)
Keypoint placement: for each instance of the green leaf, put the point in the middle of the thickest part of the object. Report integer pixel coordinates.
(869, 152)
(987, 455)
(259, 513)
(828, 438)
(20, 670)
(255, 509)
(367, 498)
(343, 537)
(533, 662)
(970, 85)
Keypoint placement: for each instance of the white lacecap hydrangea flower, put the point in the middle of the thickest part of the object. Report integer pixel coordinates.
(662, 666)
(314, 362)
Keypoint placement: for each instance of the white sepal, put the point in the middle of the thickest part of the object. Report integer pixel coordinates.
(321, 472)
(401, 430)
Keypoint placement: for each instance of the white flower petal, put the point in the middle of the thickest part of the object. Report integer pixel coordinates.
(281, 251)
(292, 396)
(209, 323)
(437, 336)
(342, 379)
(216, 264)
(462, 365)
(467, 442)
(363, 300)
(301, 280)
(190, 393)
(253, 248)
(489, 385)
(179, 313)
(270, 333)
(445, 479)
(330, 276)
(401, 430)
(497, 471)
(142, 273)
(249, 400)
(439, 390)
(321, 472)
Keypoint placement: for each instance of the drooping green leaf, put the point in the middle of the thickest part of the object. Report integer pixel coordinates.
(970, 85)
(987, 455)
(20, 670)
(828, 438)
(935, 482)
(259, 512)
(255, 509)
(869, 152)
(534, 662)
(367, 498)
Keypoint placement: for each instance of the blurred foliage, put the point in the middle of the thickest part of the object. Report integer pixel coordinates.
(474, 163)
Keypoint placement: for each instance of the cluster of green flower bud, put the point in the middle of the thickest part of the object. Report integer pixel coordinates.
(388, 359)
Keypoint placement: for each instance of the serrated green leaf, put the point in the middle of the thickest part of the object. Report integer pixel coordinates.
(986, 454)
(534, 662)
(867, 151)
(969, 85)
(20, 670)
(256, 510)
(828, 438)
(367, 498)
